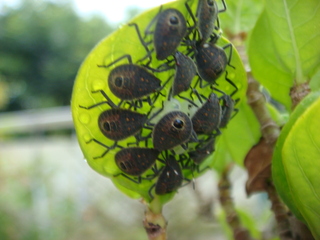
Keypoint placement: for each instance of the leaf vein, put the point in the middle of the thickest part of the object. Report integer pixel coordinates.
(310, 17)
(311, 209)
(303, 172)
(299, 77)
(314, 142)
(309, 40)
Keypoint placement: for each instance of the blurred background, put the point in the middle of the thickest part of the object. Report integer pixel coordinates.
(47, 190)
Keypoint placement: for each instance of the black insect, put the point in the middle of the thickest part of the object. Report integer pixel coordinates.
(207, 14)
(136, 160)
(131, 81)
(118, 124)
(175, 128)
(227, 110)
(170, 29)
(185, 72)
(207, 118)
(202, 151)
(212, 61)
(170, 178)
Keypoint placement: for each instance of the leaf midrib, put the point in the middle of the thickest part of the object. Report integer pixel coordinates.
(299, 76)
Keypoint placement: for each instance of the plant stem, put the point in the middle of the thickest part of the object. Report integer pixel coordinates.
(270, 132)
(239, 232)
(154, 222)
(281, 213)
(269, 129)
(298, 92)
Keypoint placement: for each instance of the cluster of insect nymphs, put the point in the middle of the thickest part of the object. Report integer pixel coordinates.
(135, 84)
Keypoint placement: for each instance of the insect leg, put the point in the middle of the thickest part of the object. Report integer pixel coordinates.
(127, 56)
(145, 44)
(230, 53)
(131, 179)
(232, 83)
(109, 101)
(188, 100)
(150, 190)
(192, 17)
(198, 95)
(147, 30)
(103, 145)
(217, 27)
(224, 7)
(94, 105)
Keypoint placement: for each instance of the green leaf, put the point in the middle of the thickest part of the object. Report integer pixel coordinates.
(284, 47)
(279, 118)
(237, 139)
(240, 16)
(315, 81)
(92, 78)
(295, 164)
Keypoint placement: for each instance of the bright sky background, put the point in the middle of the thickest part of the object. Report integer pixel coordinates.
(113, 10)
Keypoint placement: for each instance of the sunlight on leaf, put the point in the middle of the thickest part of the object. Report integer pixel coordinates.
(240, 15)
(283, 48)
(295, 164)
(91, 79)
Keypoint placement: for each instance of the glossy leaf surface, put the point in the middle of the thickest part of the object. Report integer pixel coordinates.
(92, 79)
(295, 164)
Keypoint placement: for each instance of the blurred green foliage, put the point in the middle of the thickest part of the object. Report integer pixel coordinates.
(42, 45)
